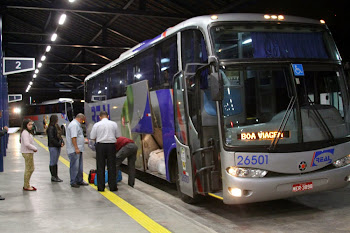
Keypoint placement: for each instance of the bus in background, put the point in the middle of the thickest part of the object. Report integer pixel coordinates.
(241, 107)
(40, 113)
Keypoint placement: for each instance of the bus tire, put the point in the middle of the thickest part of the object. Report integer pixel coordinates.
(184, 197)
(63, 130)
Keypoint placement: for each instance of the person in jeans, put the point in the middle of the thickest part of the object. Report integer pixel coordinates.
(55, 142)
(3, 131)
(75, 149)
(126, 148)
(28, 149)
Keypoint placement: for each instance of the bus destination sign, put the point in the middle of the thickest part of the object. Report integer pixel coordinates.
(262, 135)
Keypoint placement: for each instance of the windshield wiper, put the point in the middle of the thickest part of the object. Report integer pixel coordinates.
(321, 120)
(283, 124)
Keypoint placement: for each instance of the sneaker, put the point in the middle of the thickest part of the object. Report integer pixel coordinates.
(75, 185)
(2, 198)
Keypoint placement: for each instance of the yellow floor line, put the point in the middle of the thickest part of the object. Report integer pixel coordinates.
(130, 210)
(216, 196)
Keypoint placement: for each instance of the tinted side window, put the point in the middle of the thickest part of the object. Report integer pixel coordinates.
(143, 67)
(117, 82)
(166, 62)
(193, 47)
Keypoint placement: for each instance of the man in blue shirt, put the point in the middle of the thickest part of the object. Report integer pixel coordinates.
(2, 133)
(75, 149)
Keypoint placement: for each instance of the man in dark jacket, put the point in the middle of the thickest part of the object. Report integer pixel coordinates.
(2, 133)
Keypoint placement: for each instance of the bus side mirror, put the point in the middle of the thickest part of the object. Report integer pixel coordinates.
(215, 80)
(216, 89)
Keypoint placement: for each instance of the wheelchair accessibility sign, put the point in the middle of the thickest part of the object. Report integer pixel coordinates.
(298, 69)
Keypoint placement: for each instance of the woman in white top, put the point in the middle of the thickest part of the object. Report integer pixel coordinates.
(27, 150)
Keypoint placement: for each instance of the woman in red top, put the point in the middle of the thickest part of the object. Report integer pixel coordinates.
(126, 148)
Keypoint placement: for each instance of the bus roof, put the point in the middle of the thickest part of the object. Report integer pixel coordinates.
(201, 21)
(60, 100)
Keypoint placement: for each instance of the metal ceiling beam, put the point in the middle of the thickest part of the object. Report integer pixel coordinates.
(99, 55)
(76, 63)
(109, 29)
(101, 30)
(89, 10)
(34, 26)
(66, 45)
(65, 60)
(27, 33)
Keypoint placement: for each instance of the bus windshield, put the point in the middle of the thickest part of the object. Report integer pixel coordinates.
(258, 98)
(267, 40)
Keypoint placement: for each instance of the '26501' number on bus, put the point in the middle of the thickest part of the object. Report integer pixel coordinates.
(252, 159)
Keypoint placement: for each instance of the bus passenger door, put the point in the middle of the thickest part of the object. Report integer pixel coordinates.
(184, 160)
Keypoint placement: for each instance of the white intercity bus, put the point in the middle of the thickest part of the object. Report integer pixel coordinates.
(41, 113)
(241, 107)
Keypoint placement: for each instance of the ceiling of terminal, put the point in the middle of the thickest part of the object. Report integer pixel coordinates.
(96, 32)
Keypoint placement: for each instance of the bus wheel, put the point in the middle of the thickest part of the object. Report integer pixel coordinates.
(184, 197)
(63, 130)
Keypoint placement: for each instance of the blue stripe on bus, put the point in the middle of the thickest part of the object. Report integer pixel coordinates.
(168, 128)
(145, 123)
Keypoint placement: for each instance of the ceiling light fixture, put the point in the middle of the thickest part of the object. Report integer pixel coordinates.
(62, 19)
(54, 37)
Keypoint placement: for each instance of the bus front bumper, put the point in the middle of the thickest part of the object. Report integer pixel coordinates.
(271, 188)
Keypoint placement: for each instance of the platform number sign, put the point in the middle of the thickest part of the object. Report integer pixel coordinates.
(13, 65)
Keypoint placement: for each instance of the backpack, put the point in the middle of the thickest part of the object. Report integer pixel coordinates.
(92, 175)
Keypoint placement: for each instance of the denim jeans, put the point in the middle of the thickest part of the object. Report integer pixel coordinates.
(76, 168)
(54, 155)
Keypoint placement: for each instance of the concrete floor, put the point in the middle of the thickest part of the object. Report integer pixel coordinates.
(58, 207)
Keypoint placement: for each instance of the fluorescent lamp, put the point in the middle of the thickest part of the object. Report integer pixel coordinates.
(43, 57)
(40, 64)
(30, 83)
(36, 71)
(71, 1)
(65, 90)
(54, 37)
(48, 48)
(62, 19)
(34, 75)
(247, 41)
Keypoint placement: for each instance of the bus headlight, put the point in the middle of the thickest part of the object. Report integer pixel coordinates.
(246, 172)
(342, 162)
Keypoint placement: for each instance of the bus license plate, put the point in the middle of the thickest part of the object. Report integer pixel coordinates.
(302, 186)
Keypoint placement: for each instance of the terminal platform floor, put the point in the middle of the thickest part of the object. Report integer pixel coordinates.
(57, 207)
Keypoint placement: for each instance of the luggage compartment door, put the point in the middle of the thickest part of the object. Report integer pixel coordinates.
(139, 102)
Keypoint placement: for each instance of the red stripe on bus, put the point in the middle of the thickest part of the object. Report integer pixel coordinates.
(33, 118)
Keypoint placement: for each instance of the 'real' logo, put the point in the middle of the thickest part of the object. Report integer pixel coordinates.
(323, 156)
(302, 166)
